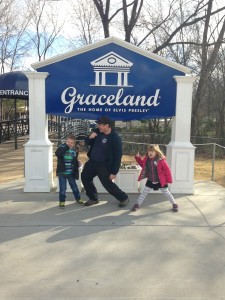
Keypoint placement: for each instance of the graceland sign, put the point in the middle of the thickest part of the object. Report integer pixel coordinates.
(114, 78)
(111, 79)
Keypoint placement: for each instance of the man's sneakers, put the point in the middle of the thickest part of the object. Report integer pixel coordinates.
(135, 207)
(62, 204)
(91, 202)
(80, 201)
(175, 207)
(124, 203)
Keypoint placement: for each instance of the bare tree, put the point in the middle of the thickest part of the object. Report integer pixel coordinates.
(13, 44)
(45, 26)
(85, 23)
(108, 11)
(103, 10)
(215, 91)
(129, 23)
(196, 45)
(208, 59)
(192, 38)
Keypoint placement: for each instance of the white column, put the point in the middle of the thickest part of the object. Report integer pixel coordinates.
(38, 150)
(180, 151)
(125, 82)
(119, 78)
(103, 81)
(97, 78)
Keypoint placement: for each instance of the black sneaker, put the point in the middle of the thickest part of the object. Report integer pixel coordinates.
(124, 203)
(91, 202)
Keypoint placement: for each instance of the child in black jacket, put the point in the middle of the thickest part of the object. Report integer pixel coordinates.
(67, 170)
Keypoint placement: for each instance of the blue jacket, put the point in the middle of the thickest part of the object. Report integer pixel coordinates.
(114, 150)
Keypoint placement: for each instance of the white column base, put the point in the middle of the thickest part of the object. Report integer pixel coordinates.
(127, 180)
(180, 157)
(38, 166)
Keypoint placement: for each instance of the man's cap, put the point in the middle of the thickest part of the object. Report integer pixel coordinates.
(104, 120)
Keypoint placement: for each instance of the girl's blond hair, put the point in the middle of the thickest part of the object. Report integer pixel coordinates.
(156, 149)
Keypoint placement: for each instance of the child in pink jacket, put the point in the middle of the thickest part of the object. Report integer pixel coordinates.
(158, 174)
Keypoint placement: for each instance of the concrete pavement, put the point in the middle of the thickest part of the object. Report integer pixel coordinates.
(104, 252)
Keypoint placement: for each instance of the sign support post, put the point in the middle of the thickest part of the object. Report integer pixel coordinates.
(180, 151)
(38, 150)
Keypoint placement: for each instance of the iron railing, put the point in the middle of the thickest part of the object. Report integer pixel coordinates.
(12, 128)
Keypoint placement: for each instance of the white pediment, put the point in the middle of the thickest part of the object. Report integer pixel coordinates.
(111, 59)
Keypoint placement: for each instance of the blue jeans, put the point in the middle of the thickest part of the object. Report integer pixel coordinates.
(63, 185)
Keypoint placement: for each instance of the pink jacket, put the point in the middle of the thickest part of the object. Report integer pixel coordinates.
(163, 169)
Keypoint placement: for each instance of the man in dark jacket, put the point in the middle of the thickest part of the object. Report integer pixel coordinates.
(67, 170)
(105, 155)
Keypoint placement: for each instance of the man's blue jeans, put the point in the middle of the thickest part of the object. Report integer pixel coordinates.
(63, 185)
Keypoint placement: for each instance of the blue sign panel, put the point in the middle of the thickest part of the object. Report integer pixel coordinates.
(110, 80)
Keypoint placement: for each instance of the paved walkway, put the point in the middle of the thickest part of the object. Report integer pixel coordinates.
(104, 252)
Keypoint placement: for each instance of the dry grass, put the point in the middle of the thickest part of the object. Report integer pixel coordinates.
(203, 170)
(12, 165)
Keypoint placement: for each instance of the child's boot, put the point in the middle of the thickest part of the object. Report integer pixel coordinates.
(135, 207)
(175, 207)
